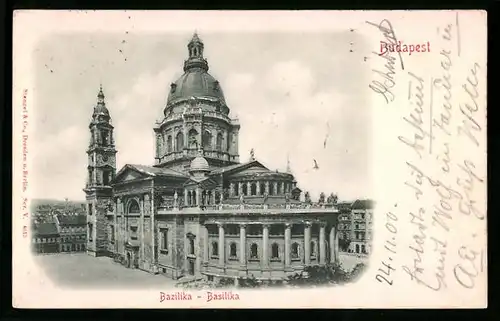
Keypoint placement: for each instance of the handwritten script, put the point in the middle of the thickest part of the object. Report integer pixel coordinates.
(436, 117)
(442, 116)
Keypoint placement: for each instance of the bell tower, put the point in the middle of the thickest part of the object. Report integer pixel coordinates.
(101, 170)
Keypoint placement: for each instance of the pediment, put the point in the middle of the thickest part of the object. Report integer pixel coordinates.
(255, 168)
(128, 174)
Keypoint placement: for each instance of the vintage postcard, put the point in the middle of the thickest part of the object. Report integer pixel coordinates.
(249, 159)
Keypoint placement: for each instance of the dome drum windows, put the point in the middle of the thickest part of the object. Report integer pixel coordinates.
(193, 139)
(179, 142)
(207, 140)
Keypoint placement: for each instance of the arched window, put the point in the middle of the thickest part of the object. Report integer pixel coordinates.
(295, 250)
(169, 144)
(244, 189)
(253, 189)
(193, 139)
(179, 142)
(275, 251)
(313, 248)
(357, 248)
(207, 140)
(215, 249)
(219, 141)
(253, 251)
(236, 190)
(191, 246)
(363, 249)
(134, 207)
(232, 250)
(262, 188)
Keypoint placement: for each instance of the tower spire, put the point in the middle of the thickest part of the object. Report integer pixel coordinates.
(100, 96)
(288, 168)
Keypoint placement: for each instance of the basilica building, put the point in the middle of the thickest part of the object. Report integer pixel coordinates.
(199, 211)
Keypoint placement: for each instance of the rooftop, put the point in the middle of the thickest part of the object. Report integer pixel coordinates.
(46, 229)
(72, 220)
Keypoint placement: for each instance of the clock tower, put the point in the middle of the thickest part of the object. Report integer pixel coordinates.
(101, 171)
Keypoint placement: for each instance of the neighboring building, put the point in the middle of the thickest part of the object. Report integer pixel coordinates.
(199, 211)
(45, 238)
(361, 226)
(73, 232)
(344, 225)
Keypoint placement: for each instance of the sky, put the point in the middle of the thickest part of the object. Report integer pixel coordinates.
(290, 92)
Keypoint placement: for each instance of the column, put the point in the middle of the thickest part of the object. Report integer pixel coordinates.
(115, 224)
(154, 233)
(307, 243)
(240, 188)
(336, 245)
(265, 244)
(213, 197)
(249, 188)
(206, 246)
(231, 189)
(186, 198)
(275, 188)
(243, 242)
(198, 196)
(222, 247)
(332, 244)
(288, 244)
(322, 250)
(267, 188)
(258, 187)
(141, 221)
(283, 188)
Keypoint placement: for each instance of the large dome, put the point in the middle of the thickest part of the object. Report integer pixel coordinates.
(196, 82)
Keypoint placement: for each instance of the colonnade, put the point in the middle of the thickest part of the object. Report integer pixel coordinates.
(199, 197)
(265, 257)
(259, 188)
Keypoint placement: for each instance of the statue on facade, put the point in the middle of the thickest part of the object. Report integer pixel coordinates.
(242, 199)
(252, 154)
(287, 197)
(193, 143)
(321, 199)
(176, 197)
(307, 198)
(110, 206)
(332, 199)
(265, 196)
